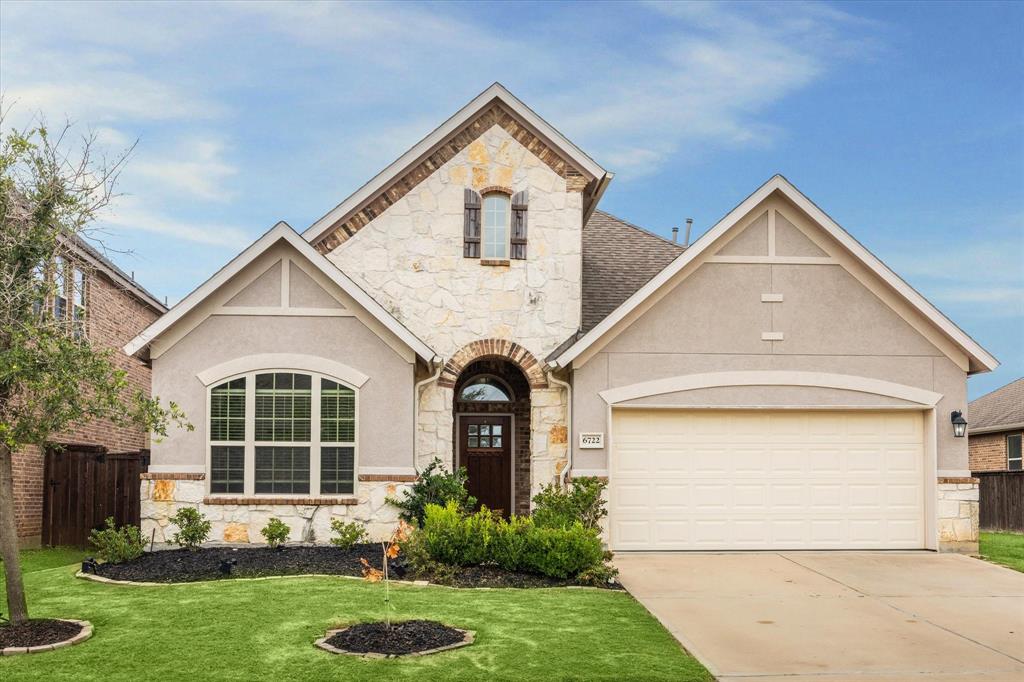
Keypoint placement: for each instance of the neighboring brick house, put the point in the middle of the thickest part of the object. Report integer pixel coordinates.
(111, 308)
(996, 428)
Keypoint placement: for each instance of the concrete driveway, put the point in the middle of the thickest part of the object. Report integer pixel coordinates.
(836, 616)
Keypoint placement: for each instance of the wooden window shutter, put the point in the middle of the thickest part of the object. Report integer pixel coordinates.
(471, 225)
(519, 205)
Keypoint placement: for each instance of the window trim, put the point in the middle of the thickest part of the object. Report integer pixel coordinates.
(250, 442)
(503, 259)
(1019, 435)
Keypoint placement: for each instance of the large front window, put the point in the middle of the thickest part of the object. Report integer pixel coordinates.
(282, 433)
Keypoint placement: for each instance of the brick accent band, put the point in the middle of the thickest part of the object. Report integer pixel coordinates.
(959, 479)
(304, 501)
(172, 476)
(388, 478)
(502, 348)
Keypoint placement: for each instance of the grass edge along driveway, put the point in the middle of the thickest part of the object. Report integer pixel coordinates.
(251, 630)
(1006, 549)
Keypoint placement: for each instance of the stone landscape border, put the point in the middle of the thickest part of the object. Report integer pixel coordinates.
(468, 637)
(84, 634)
(414, 583)
(111, 581)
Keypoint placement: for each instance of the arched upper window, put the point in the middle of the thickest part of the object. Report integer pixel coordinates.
(496, 224)
(486, 388)
(299, 439)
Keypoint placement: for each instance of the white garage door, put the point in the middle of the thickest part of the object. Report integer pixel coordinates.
(723, 479)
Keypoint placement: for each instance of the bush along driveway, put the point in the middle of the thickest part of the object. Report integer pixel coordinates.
(265, 629)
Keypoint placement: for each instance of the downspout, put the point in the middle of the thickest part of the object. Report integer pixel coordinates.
(568, 424)
(416, 410)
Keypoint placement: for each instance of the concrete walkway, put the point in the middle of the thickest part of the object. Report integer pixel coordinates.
(836, 616)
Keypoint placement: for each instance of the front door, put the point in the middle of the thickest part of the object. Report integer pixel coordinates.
(485, 449)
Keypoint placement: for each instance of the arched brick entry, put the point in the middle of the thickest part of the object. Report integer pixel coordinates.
(518, 412)
(503, 348)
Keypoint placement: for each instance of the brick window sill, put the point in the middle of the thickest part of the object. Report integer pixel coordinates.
(270, 500)
(498, 262)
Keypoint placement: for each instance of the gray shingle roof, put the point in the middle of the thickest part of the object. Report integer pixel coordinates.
(618, 259)
(1003, 406)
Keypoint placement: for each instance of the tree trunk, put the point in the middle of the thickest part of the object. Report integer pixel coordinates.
(18, 611)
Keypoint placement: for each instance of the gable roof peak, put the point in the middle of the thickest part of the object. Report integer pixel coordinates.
(281, 231)
(979, 359)
(383, 183)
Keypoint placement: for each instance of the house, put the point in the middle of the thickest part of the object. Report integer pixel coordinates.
(774, 385)
(996, 428)
(100, 300)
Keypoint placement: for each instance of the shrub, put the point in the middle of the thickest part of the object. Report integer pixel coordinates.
(561, 552)
(348, 534)
(452, 538)
(276, 532)
(511, 538)
(598, 576)
(517, 544)
(434, 486)
(193, 528)
(420, 564)
(558, 507)
(116, 545)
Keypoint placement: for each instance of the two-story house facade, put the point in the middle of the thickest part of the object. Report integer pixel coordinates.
(97, 299)
(472, 304)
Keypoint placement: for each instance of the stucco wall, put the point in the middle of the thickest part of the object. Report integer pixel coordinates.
(303, 314)
(385, 401)
(713, 322)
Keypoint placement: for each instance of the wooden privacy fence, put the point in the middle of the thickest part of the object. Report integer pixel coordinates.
(83, 485)
(1001, 500)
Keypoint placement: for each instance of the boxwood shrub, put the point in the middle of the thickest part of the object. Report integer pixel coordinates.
(517, 544)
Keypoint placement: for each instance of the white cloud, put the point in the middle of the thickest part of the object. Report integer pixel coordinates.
(194, 168)
(130, 213)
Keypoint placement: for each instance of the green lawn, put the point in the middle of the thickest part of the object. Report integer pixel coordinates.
(264, 630)
(1003, 548)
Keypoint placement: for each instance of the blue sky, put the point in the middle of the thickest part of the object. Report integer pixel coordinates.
(904, 121)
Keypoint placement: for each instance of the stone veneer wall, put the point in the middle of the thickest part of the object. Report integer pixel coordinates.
(956, 502)
(240, 522)
(410, 258)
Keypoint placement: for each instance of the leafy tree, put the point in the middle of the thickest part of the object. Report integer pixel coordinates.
(51, 376)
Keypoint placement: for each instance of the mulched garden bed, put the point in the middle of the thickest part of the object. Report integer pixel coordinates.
(409, 637)
(182, 565)
(37, 633)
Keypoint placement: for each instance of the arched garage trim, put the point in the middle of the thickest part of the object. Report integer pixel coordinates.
(847, 382)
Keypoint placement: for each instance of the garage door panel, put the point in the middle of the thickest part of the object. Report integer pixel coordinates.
(724, 479)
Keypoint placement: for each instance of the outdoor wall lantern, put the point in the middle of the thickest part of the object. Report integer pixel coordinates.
(959, 423)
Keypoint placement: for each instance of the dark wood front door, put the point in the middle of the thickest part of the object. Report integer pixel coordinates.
(485, 449)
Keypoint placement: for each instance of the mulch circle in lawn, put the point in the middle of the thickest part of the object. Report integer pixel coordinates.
(398, 639)
(38, 633)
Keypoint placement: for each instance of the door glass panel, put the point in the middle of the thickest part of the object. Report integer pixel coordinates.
(473, 442)
(496, 441)
(485, 442)
(496, 430)
(485, 430)
(472, 429)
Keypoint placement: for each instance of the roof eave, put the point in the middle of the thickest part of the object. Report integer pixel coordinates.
(354, 202)
(979, 360)
(280, 231)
